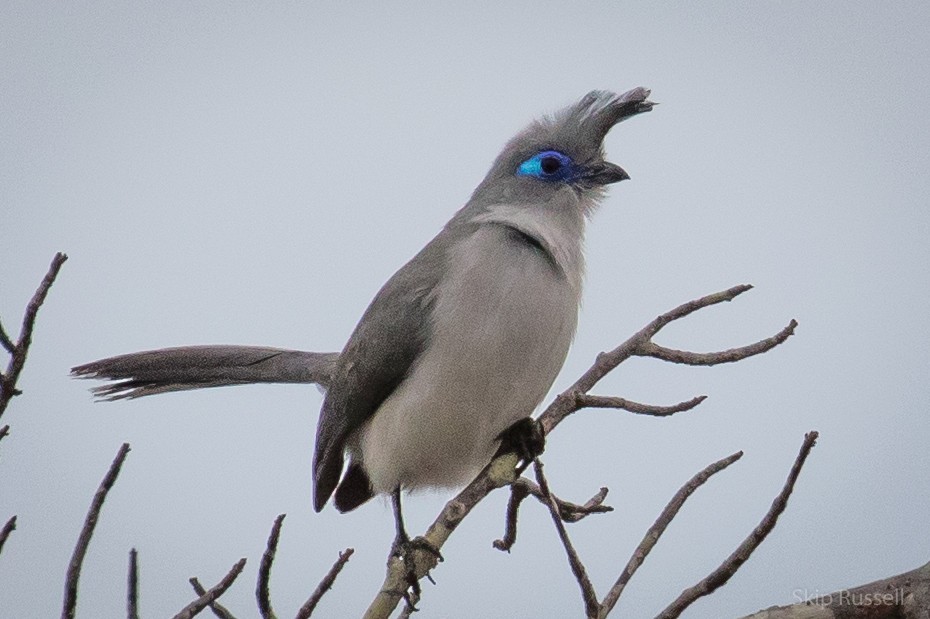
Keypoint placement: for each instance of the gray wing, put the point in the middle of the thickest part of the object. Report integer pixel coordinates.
(379, 354)
(198, 367)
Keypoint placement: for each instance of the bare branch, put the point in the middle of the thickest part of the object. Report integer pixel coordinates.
(565, 403)
(568, 511)
(692, 306)
(325, 585)
(132, 588)
(578, 569)
(5, 340)
(4, 431)
(583, 400)
(649, 349)
(218, 609)
(594, 505)
(904, 596)
(8, 528)
(210, 596)
(19, 351)
(722, 574)
(264, 570)
(571, 512)
(658, 528)
(518, 492)
(87, 531)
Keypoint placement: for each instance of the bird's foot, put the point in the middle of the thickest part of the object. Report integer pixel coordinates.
(524, 438)
(406, 549)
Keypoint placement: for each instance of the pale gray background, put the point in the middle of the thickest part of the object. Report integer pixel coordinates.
(252, 175)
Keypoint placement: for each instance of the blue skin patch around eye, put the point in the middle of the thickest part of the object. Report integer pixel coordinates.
(549, 165)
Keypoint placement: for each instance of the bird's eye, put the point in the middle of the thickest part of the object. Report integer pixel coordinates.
(549, 165)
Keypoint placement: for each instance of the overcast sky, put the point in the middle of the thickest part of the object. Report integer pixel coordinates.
(252, 175)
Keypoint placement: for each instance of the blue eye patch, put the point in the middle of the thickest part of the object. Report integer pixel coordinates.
(549, 165)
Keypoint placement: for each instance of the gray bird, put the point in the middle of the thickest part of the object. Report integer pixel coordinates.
(460, 346)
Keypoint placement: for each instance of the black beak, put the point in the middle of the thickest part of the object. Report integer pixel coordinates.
(605, 173)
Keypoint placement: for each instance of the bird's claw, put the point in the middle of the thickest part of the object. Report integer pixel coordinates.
(405, 549)
(524, 438)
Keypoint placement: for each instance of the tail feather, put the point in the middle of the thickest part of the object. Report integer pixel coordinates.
(199, 367)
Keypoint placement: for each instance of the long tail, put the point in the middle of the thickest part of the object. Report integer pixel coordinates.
(198, 367)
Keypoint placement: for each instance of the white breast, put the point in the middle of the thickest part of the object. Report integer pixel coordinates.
(503, 320)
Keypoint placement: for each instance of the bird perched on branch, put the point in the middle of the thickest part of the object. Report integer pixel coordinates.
(458, 347)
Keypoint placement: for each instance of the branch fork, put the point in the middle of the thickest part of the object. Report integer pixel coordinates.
(19, 349)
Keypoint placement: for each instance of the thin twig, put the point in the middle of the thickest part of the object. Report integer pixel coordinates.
(210, 596)
(4, 431)
(132, 588)
(264, 570)
(570, 512)
(518, 492)
(8, 528)
(658, 528)
(5, 340)
(578, 569)
(650, 349)
(19, 351)
(722, 574)
(583, 400)
(87, 531)
(218, 609)
(325, 585)
(594, 505)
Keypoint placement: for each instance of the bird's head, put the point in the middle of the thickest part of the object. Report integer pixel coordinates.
(561, 157)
